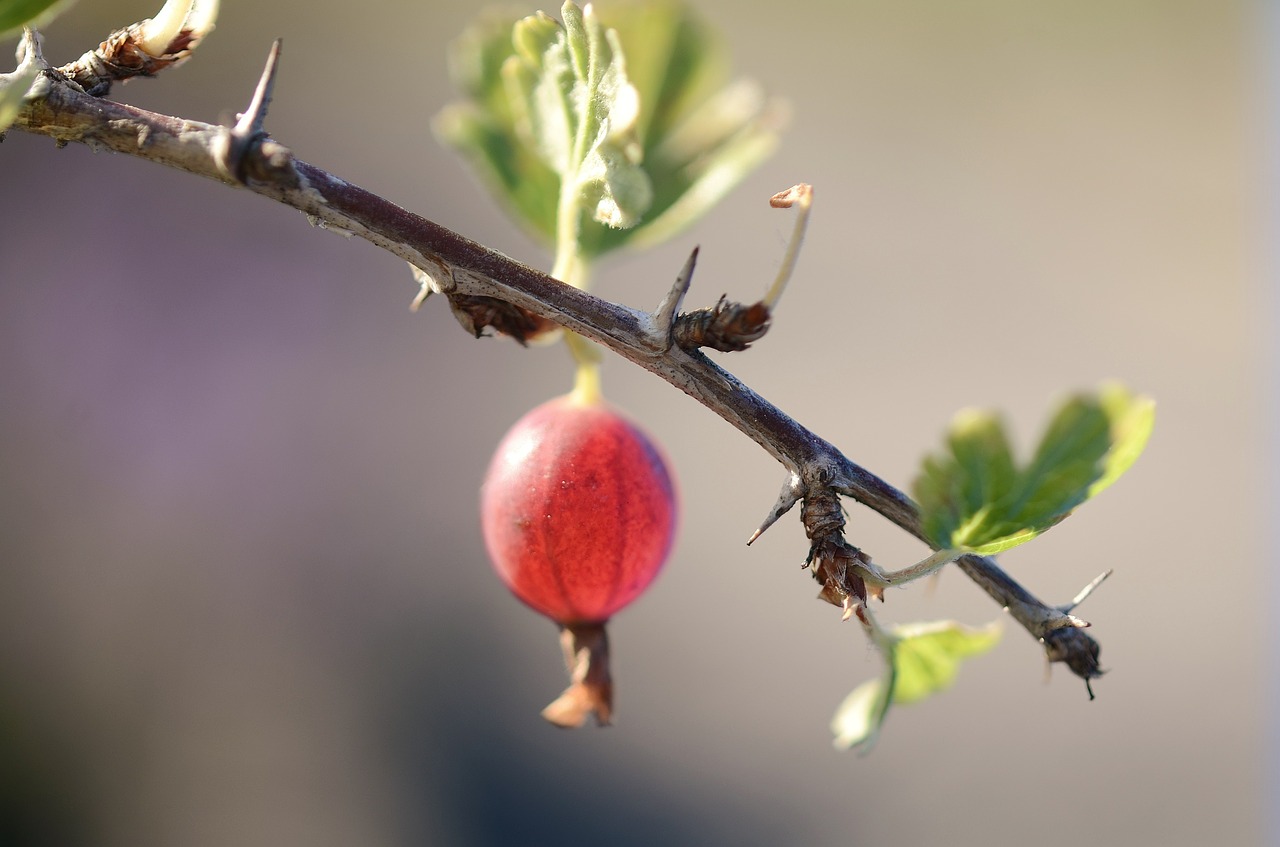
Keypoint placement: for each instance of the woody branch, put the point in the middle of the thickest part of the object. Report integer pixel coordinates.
(245, 157)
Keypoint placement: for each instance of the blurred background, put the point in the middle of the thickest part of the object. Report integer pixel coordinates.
(243, 596)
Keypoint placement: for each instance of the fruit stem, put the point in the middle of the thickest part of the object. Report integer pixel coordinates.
(586, 383)
(572, 268)
(586, 655)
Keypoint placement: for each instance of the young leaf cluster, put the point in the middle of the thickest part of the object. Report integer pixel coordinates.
(621, 115)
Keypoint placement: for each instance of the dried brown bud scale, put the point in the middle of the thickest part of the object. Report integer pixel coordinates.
(727, 327)
(120, 58)
(478, 313)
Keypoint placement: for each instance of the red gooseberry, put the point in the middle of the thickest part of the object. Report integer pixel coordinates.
(578, 511)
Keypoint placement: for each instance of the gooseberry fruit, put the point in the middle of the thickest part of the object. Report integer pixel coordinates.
(578, 511)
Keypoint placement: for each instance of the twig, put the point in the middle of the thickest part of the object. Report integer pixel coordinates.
(459, 267)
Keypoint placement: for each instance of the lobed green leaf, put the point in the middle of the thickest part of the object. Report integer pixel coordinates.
(921, 660)
(974, 498)
(927, 656)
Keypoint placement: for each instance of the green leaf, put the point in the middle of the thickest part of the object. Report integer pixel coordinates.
(974, 498)
(858, 720)
(927, 656)
(482, 127)
(15, 14)
(621, 113)
(921, 660)
(562, 93)
(608, 154)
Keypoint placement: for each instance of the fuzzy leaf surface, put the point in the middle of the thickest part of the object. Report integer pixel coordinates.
(630, 104)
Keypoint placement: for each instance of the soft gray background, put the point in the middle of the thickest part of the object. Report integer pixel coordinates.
(243, 598)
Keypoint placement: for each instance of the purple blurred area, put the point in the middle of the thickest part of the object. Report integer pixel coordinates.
(243, 596)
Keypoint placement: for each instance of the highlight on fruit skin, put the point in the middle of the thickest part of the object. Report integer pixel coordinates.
(579, 512)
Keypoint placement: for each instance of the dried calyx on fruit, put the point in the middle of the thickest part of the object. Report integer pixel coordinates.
(579, 511)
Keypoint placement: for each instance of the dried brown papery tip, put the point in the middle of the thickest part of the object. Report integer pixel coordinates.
(840, 568)
(728, 327)
(144, 48)
(476, 314)
(586, 655)
(801, 193)
(119, 59)
(135, 51)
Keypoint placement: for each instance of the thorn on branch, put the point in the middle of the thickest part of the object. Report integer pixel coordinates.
(1086, 591)
(664, 317)
(144, 48)
(791, 493)
(233, 149)
(31, 50)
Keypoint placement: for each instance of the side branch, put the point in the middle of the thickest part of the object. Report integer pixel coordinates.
(459, 267)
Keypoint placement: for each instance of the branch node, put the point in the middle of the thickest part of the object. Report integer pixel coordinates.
(847, 575)
(233, 147)
(439, 280)
(1073, 647)
(731, 327)
(727, 327)
(664, 317)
